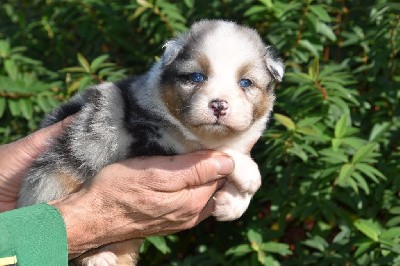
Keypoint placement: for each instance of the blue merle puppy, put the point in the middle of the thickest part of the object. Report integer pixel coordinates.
(212, 89)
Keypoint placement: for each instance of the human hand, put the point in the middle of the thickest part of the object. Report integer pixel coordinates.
(142, 197)
(17, 157)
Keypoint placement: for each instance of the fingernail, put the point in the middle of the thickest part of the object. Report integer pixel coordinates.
(225, 164)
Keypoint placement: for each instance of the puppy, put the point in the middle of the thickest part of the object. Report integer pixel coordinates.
(212, 89)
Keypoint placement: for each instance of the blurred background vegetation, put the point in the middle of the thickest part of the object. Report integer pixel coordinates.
(330, 159)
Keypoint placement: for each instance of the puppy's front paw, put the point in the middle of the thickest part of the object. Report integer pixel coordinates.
(230, 203)
(246, 175)
(105, 258)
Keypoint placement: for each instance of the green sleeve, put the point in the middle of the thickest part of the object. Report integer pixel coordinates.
(33, 235)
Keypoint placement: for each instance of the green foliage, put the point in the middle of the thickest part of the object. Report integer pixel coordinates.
(330, 158)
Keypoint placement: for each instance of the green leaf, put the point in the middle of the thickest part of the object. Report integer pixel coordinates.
(14, 107)
(84, 63)
(267, 3)
(363, 247)
(394, 221)
(26, 108)
(313, 70)
(326, 31)
(309, 46)
(354, 142)
(391, 233)
(160, 243)
(75, 69)
(274, 247)
(286, 121)
(309, 121)
(341, 126)
(261, 257)
(256, 9)
(334, 157)
(270, 261)
(345, 172)
(363, 152)
(317, 242)
(255, 239)
(11, 68)
(3, 104)
(361, 182)
(97, 62)
(378, 130)
(240, 250)
(189, 3)
(321, 12)
(145, 3)
(369, 228)
(370, 171)
(395, 210)
(4, 48)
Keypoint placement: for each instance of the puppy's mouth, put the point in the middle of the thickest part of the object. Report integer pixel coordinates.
(217, 126)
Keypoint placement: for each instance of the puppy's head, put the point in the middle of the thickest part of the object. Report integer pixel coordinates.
(218, 78)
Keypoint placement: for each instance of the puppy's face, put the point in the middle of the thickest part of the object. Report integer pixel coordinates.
(219, 78)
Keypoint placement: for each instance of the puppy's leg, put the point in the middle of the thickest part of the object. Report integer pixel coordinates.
(117, 254)
(232, 200)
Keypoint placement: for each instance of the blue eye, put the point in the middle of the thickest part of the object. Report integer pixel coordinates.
(197, 77)
(245, 83)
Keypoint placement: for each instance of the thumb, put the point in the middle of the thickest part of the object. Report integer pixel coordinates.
(36, 143)
(174, 173)
(205, 167)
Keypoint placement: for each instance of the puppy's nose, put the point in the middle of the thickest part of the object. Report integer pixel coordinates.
(219, 107)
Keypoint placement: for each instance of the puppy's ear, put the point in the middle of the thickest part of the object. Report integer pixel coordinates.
(172, 49)
(275, 64)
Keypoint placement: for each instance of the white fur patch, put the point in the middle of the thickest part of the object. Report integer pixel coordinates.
(105, 258)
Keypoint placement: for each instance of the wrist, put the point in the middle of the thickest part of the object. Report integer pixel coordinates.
(82, 225)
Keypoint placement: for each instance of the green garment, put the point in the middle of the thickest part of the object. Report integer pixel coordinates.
(33, 235)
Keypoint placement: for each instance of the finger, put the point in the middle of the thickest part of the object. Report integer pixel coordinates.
(210, 206)
(205, 168)
(189, 170)
(174, 173)
(205, 195)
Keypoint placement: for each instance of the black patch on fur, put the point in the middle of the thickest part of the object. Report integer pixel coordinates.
(142, 124)
(63, 147)
(93, 96)
(62, 112)
(170, 76)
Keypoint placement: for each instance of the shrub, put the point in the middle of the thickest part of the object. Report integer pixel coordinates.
(330, 158)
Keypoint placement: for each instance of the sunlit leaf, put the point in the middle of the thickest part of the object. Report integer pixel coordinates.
(321, 12)
(98, 61)
(286, 121)
(239, 250)
(160, 243)
(84, 63)
(345, 173)
(370, 228)
(341, 127)
(274, 247)
(326, 31)
(363, 152)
